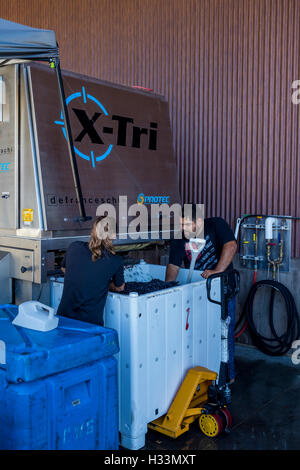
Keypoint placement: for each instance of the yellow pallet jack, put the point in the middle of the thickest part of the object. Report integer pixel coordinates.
(199, 396)
(191, 403)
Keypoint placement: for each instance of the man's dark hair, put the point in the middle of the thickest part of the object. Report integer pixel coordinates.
(192, 211)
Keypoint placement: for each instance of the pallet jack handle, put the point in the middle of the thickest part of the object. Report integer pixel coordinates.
(227, 292)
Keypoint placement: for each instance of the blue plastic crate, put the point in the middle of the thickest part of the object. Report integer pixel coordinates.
(31, 355)
(41, 409)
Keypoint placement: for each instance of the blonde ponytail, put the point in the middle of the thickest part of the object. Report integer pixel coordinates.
(100, 239)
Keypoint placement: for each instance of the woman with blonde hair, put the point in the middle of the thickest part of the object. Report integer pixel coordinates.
(91, 269)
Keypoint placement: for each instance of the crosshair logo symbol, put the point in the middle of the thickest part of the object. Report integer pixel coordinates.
(87, 126)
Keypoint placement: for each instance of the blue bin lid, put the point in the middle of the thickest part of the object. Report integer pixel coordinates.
(31, 355)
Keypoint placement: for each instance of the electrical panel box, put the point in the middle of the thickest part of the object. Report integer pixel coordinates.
(254, 247)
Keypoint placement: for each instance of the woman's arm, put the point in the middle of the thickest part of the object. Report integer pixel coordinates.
(114, 288)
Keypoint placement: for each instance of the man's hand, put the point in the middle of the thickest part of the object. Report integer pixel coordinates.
(209, 272)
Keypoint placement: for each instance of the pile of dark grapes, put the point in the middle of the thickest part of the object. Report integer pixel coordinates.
(147, 287)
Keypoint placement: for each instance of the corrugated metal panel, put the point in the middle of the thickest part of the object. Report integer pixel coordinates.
(226, 67)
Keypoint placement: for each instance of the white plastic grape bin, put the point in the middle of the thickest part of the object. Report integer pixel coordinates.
(157, 347)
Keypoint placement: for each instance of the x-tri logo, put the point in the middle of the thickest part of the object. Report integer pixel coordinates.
(91, 133)
(88, 126)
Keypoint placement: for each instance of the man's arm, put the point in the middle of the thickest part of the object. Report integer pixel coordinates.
(171, 272)
(175, 260)
(227, 255)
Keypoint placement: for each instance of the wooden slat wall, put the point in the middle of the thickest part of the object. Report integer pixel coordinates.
(226, 67)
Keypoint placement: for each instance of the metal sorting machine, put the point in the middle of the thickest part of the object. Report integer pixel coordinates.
(123, 146)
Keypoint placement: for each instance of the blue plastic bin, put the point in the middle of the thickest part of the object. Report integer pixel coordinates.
(58, 390)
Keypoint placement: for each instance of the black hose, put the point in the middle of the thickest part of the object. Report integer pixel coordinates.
(278, 345)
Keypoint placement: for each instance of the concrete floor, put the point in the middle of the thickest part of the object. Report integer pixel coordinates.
(265, 409)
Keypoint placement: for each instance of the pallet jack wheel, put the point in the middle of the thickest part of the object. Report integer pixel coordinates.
(228, 419)
(211, 424)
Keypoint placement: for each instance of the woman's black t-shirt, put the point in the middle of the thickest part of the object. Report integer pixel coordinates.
(87, 283)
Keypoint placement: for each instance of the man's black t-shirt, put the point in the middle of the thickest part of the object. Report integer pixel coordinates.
(87, 283)
(216, 232)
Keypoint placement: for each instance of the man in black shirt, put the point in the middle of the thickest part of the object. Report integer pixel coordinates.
(217, 254)
(216, 257)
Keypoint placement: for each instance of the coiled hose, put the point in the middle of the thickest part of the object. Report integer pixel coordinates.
(278, 344)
